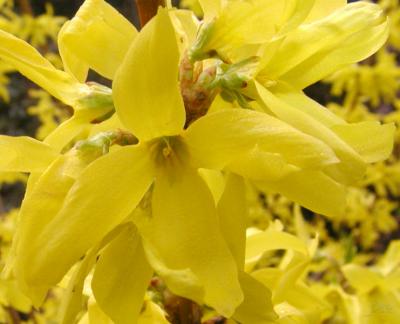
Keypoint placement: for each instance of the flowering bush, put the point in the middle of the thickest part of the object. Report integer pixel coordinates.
(138, 207)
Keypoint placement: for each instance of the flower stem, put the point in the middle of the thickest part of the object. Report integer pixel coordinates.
(25, 7)
(147, 9)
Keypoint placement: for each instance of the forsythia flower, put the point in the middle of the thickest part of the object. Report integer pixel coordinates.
(285, 67)
(169, 156)
(171, 198)
(90, 101)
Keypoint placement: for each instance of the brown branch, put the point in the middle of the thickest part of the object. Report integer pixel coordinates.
(25, 7)
(181, 310)
(147, 9)
(14, 317)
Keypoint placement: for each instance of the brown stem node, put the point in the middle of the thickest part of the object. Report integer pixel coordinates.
(147, 9)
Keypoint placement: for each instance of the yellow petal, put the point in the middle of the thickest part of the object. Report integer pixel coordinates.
(306, 301)
(215, 181)
(121, 277)
(24, 154)
(361, 278)
(146, 92)
(211, 8)
(98, 37)
(269, 277)
(351, 163)
(152, 314)
(313, 190)
(291, 274)
(379, 145)
(379, 307)
(259, 165)
(29, 62)
(71, 62)
(257, 307)
(13, 297)
(73, 300)
(323, 8)
(96, 315)
(182, 282)
(65, 133)
(37, 210)
(184, 231)
(232, 212)
(297, 12)
(269, 240)
(186, 26)
(315, 50)
(241, 23)
(217, 139)
(355, 49)
(298, 100)
(391, 259)
(87, 213)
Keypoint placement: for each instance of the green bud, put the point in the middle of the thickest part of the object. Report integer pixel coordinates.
(99, 97)
(235, 76)
(196, 52)
(100, 144)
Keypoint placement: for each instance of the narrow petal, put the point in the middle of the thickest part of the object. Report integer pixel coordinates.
(152, 314)
(146, 91)
(356, 48)
(361, 278)
(298, 11)
(182, 282)
(95, 314)
(232, 212)
(73, 300)
(352, 34)
(215, 181)
(81, 121)
(313, 190)
(379, 307)
(38, 209)
(259, 165)
(98, 37)
(29, 62)
(185, 232)
(290, 276)
(211, 8)
(71, 62)
(24, 154)
(323, 8)
(11, 296)
(87, 214)
(379, 145)
(297, 99)
(269, 240)
(243, 22)
(65, 133)
(244, 25)
(257, 306)
(186, 26)
(351, 163)
(121, 277)
(218, 138)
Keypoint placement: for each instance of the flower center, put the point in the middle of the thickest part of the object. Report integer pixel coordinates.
(169, 152)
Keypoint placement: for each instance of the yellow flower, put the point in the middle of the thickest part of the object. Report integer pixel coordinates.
(97, 31)
(267, 63)
(181, 236)
(173, 201)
